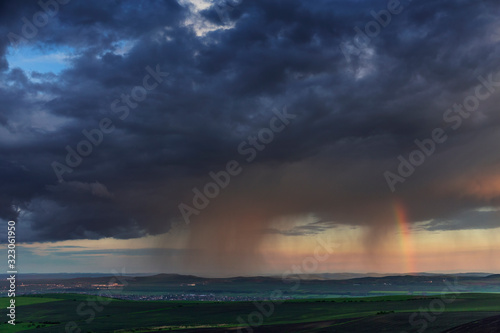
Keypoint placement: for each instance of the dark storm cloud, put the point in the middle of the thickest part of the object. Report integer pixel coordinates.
(127, 252)
(354, 117)
(303, 230)
(466, 220)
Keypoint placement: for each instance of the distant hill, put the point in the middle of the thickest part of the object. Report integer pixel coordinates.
(316, 285)
(60, 276)
(494, 276)
(179, 277)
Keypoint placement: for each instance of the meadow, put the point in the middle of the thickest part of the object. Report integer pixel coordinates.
(53, 312)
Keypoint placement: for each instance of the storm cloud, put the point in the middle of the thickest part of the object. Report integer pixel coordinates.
(355, 114)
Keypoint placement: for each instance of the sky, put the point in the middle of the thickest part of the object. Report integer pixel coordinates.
(239, 137)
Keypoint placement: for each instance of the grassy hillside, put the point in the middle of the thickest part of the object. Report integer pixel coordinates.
(51, 312)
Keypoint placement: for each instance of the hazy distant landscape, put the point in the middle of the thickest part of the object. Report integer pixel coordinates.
(313, 303)
(188, 287)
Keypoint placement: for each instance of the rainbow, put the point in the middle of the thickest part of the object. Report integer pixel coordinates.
(405, 233)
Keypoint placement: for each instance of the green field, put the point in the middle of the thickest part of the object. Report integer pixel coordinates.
(51, 312)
